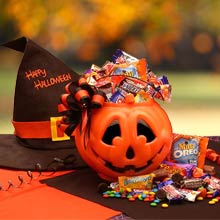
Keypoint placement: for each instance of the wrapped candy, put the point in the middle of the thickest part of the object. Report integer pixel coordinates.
(129, 74)
(189, 149)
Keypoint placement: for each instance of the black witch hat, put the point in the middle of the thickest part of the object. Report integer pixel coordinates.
(37, 138)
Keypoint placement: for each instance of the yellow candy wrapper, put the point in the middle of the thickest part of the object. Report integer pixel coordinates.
(136, 182)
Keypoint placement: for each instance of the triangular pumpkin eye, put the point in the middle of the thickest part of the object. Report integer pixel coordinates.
(144, 129)
(112, 131)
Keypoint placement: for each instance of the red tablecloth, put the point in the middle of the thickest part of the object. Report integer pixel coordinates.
(38, 201)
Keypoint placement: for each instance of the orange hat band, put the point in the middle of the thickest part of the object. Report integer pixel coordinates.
(40, 129)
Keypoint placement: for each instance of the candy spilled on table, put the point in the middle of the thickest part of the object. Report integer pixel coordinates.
(175, 182)
(177, 185)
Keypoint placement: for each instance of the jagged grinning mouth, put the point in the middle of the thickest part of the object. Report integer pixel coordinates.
(128, 167)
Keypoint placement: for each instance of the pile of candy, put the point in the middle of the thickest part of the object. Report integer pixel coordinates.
(125, 75)
(170, 184)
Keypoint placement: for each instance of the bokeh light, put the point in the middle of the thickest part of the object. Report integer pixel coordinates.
(202, 43)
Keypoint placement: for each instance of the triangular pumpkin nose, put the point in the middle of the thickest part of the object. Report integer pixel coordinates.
(130, 153)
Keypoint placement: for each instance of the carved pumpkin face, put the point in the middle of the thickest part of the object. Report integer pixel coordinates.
(125, 139)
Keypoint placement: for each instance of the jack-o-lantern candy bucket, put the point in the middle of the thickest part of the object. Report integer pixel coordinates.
(126, 133)
(117, 139)
(125, 139)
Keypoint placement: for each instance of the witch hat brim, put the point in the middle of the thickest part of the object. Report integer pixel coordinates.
(18, 157)
(37, 139)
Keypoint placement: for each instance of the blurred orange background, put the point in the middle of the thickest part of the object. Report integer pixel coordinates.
(180, 39)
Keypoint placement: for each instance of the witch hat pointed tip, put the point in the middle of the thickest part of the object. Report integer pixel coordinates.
(18, 44)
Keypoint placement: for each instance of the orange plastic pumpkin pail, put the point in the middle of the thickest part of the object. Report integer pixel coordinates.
(125, 139)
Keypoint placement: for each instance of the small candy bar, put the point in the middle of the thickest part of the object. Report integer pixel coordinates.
(192, 183)
(183, 169)
(209, 169)
(137, 182)
(189, 195)
(172, 193)
(132, 85)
